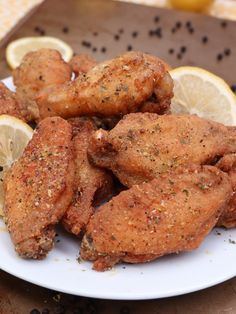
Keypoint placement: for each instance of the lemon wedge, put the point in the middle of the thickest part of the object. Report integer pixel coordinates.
(197, 91)
(14, 136)
(16, 50)
(191, 5)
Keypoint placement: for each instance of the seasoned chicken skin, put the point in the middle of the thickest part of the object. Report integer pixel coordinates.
(82, 63)
(38, 69)
(167, 215)
(91, 185)
(144, 145)
(228, 165)
(39, 187)
(11, 106)
(112, 88)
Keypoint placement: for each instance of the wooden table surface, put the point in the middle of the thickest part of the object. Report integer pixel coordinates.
(104, 29)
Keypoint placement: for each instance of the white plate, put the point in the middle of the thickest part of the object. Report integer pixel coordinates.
(212, 263)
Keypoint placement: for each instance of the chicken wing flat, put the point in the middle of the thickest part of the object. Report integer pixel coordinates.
(11, 106)
(112, 88)
(39, 187)
(144, 145)
(167, 215)
(92, 184)
(82, 63)
(41, 68)
(228, 165)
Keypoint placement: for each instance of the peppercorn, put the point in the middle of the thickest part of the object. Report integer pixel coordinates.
(171, 51)
(103, 49)
(156, 19)
(183, 49)
(204, 39)
(116, 37)
(65, 29)
(129, 48)
(219, 56)
(178, 24)
(227, 51)
(134, 34)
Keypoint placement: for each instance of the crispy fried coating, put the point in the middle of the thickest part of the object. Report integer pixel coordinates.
(39, 187)
(112, 88)
(11, 106)
(167, 215)
(38, 69)
(144, 145)
(228, 165)
(92, 185)
(82, 63)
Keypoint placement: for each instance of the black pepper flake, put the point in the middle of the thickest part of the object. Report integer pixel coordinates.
(86, 44)
(158, 32)
(223, 24)
(1, 168)
(171, 51)
(219, 57)
(173, 30)
(227, 51)
(116, 37)
(103, 49)
(35, 311)
(156, 19)
(232, 241)
(233, 88)
(129, 48)
(65, 29)
(94, 49)
(42, 32)
(121, 31)
(58, 241)
(183, 49)
(124, 310)
(134, 34)
(95, 34)
(204, 39)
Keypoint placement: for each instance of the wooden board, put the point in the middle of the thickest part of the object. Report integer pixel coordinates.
(107, 28)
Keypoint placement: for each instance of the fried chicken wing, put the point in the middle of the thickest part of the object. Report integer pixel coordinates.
(228, 165)
(39, 187)
(82, 63)
(144, 145)
(11, 106)
(92, 184)
(112, 88)
(41, 68)
(167, 215)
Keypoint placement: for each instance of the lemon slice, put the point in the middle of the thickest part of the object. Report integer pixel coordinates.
(197, 91)
(16, 50)
(14, 136)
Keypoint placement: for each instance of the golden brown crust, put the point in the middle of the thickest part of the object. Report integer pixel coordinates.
(39, 69)
(38, 188)
(167, 215)
(91, 184)
(144, 145)
(112, 88)
(82, 63)
(11, 106)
